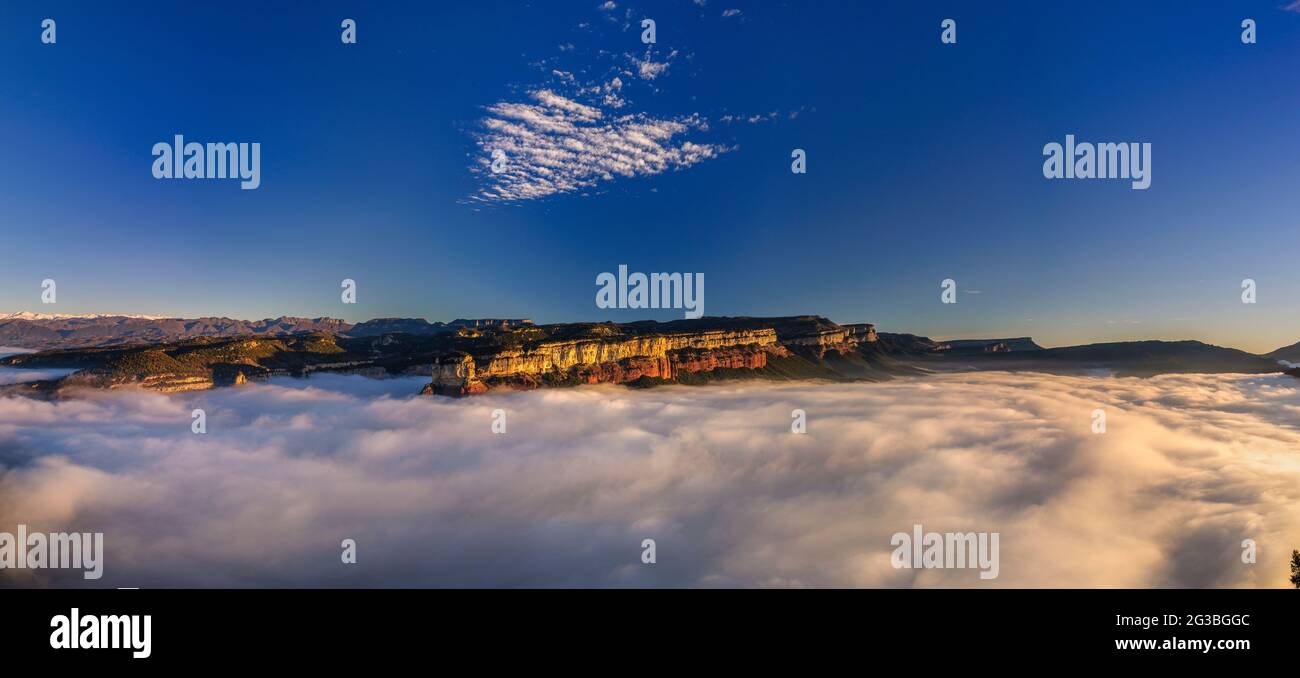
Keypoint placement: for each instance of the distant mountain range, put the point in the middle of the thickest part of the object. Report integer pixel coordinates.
(39, 331)
(28, 315)
(466, 357)
(1290, 353)
(1129, 358)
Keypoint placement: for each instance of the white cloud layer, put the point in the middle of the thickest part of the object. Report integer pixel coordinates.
(10, 375)
(1190, 466)
(557, 145)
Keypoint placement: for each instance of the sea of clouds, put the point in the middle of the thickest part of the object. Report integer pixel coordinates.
(1190, 466)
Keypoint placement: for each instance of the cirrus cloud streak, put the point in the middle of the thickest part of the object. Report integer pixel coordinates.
(554, 144)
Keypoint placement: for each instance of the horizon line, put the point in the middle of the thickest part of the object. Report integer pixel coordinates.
(31, 315)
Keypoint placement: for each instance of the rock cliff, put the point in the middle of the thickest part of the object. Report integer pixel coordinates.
(642, 351)
(478, 356)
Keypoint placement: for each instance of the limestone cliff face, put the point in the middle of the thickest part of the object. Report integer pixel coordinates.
(750, 357)
(731, 358)
(862, 332)
(819, 341)
(178, 384)
(161, 382)
(604, 360)
(824, 338)
(625, 371)
(455, 376)
(550, 356)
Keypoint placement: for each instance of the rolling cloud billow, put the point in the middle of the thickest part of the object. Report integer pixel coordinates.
(1190, 466)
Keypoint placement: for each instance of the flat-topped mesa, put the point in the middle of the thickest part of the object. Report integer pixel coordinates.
(817, 336)
(964, 346)
(604, 359)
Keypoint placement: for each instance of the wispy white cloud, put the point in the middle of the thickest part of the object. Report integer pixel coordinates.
(1189, 467)
(609, 93)
(728, 13)
(554, 144)
(756, 118)
(580, 126)
(649, 69)
(9, 375)
(752, 119)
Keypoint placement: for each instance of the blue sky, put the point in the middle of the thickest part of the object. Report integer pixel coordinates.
(924, 162)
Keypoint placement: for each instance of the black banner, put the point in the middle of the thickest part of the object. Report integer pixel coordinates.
(331, 628)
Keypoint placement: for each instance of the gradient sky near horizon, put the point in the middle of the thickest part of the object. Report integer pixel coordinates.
(924, 162)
